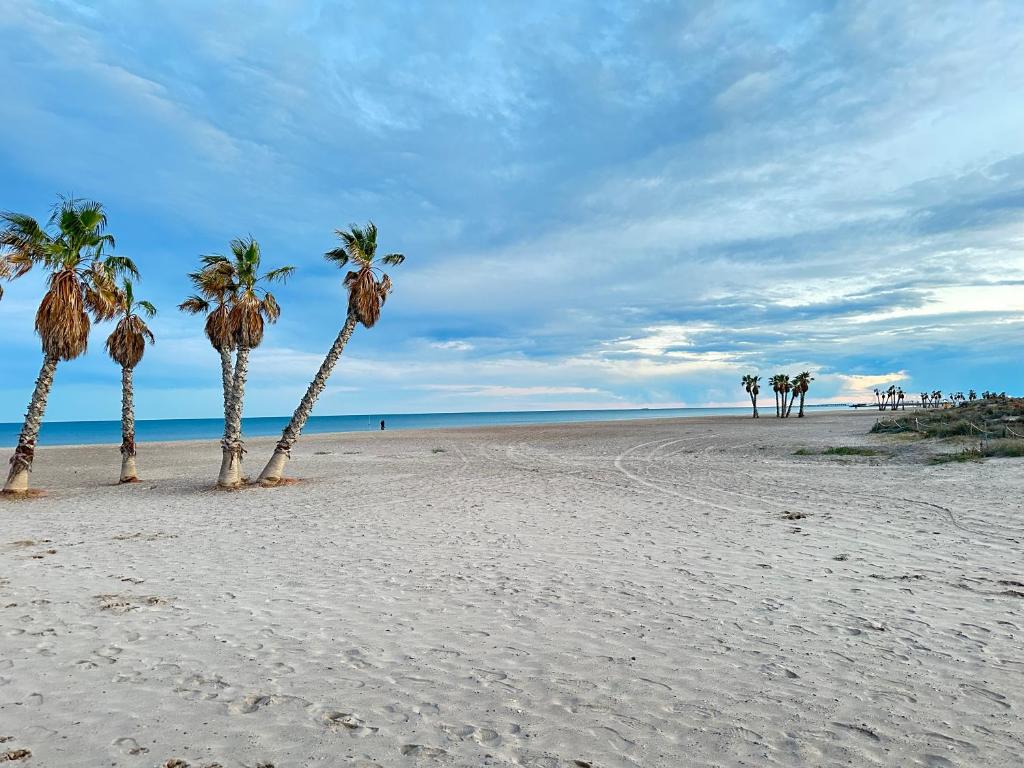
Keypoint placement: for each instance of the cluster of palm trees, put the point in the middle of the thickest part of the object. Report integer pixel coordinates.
(86, 284)
(892, 398)
(784, 387)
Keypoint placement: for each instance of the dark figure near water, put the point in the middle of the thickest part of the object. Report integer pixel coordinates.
(382, 425)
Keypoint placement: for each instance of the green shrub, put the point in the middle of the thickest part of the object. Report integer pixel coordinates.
(851, 450)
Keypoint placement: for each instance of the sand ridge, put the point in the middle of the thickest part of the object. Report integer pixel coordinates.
(655, 593)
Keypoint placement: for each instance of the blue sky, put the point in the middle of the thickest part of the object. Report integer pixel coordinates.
(603, 204)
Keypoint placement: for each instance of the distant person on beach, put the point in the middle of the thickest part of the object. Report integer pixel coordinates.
(382, 425)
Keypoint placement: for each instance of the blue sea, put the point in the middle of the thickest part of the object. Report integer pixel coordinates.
(109, 432)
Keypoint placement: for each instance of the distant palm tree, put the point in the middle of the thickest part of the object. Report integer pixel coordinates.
(785, 387)
(751, 384)
(878, 399)
(776, 382)
(936, 398)
(972, 395)
(215, 293)
(368, 289)
(252, 308)
(126, 346)
(900, 396)
(82, 281)
(801, 384)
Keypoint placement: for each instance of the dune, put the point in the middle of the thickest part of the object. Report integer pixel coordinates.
(651, 593)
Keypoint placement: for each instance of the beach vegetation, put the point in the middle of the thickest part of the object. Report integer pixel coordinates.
(73, 248)
(368, 288)
(126, 345)
(253, 306)
(752, 384)
(852, 450)
(214, 296)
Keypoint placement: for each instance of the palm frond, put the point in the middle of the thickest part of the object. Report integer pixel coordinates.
(119, 266)
(194, 305)
(147, 308)
(393, 259)
(280, 274)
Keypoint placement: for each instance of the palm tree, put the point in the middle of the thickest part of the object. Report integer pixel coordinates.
(82, 281)
(126, 345)
(774, 381)
(785, 387)
(801, 384)
(215, 292)
(972, 395)
(253, 306)
(900, 397)
(368, 289)
(751, 384)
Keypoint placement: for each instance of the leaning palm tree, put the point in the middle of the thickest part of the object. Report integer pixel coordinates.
(800, 386)
(215, 292)
(126, 345)
(82, 282)
(253, 306)
(368, 289)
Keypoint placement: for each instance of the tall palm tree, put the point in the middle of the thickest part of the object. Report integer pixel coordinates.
(253, 306)
(785, 387)
(215, 292)
(368, 289)
(126, 345)
(82, 282)
(800, 386)
(751, 385)
(774, 381)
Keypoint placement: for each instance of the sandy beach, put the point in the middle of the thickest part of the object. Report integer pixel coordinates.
(660, 593)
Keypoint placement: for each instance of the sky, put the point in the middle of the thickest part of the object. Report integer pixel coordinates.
(602, 204)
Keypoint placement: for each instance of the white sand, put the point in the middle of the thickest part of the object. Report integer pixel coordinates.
(622, 594)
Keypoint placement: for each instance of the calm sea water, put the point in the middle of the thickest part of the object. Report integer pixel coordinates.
(93, 432)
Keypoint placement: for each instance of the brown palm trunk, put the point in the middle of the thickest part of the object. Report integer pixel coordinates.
(792, 398)
(21, 461)
(800, 413)
(232, 445)
(275, 467)
(128, 471)
(778, 414)
(753, 402)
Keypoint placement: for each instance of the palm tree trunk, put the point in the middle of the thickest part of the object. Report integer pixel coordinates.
(778, 414)
(226, 375)
(128, 472)
(275, 467)
(791, 399)
(800, 413)
(21, 461)
(753, 404)
(232, 446)
(756, 414)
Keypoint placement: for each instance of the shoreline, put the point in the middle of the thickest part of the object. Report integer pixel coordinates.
(417, 431)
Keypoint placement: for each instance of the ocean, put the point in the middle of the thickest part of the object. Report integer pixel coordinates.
(153, 430)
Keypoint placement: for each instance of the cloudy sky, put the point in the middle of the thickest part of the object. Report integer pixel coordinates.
(603, 204)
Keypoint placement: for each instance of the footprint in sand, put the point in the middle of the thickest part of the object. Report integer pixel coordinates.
(347, 722)
(485, 736)
(419, 750)
(129, 746)
(992, 696)
(249, 704)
